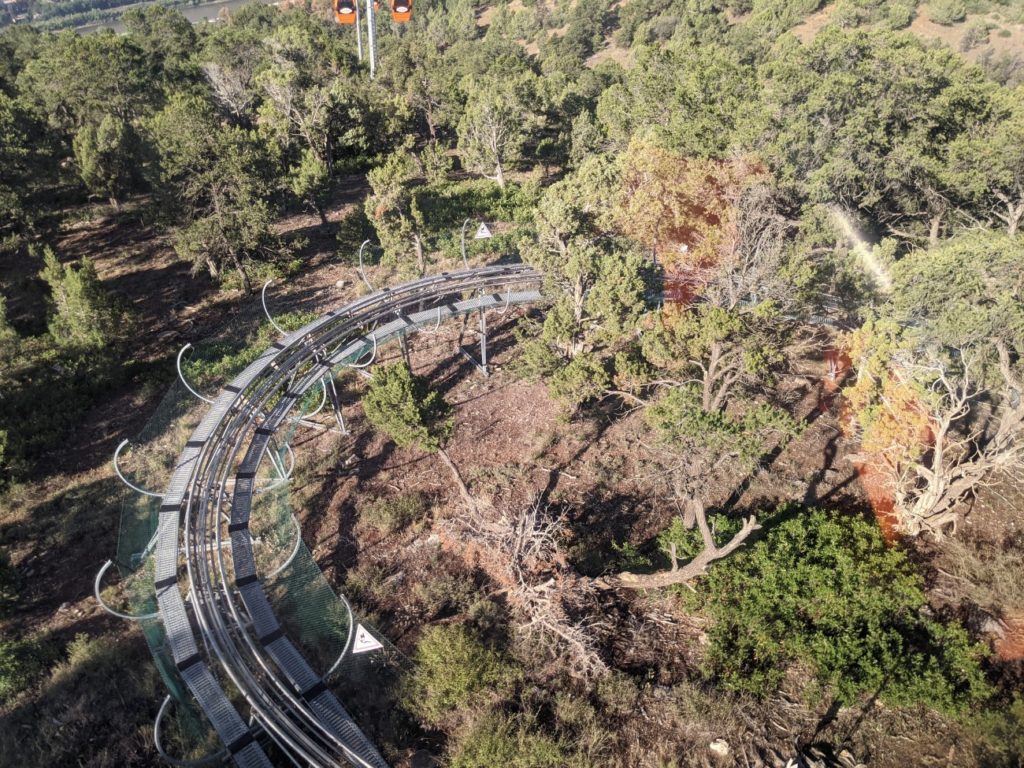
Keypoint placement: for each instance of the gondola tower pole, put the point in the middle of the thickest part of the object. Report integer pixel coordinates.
(359, 32)
(371, 33)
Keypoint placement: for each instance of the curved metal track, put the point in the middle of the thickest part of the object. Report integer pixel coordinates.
(228, 623)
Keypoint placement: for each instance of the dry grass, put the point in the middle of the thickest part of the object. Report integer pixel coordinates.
(988, 575)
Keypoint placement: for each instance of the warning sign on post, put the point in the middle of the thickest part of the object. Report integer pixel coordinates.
(482, 232)
(364, 642)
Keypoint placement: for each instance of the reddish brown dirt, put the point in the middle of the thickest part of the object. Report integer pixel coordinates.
(879, 493)
(1010, 647)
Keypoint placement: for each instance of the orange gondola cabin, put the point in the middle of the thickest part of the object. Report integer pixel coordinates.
(345, 11)
(401, 10)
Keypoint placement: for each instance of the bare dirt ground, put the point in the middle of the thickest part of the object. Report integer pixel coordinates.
(1005, 37)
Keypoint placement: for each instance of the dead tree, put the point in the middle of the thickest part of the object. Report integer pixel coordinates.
(961, 458)
(524, 556)
(698, 566)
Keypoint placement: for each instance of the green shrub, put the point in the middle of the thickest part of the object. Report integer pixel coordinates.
(258, 273)
(946, 12)
(22, 662)
(893, 14)
(976, 34)
(455, 671)
(627, 557)
(680, 420)
(444, 592)
(404, 406)
(393, 513)
(581, 379)
(83, 315)
(826, 590)
(497, 740)
(534, 360)
(1002, 733)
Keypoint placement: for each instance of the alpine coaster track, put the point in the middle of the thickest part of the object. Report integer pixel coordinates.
(227, 622)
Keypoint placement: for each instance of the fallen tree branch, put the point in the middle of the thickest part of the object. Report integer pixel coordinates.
(698, 566)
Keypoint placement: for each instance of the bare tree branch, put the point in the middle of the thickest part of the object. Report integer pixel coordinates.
(698, 566)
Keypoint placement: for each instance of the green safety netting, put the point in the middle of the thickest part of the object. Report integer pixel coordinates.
(347, 650)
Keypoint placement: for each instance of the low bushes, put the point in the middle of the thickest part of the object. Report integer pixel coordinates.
(825, 590)
(22, 662)
(455, 671)
(393, 513)
(499, 740)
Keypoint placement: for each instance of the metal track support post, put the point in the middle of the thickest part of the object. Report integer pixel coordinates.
(332, 392)
(480, 365)
(483, 343)
(403, 342)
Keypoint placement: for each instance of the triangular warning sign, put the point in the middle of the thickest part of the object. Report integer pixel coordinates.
(364, 642)
(482, 232)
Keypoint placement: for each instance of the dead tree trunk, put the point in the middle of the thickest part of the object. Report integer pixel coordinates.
(240, 268)
(698, 566)
(457, 477)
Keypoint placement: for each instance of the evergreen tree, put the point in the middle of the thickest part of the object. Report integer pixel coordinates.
(214, 177)
(105, 157)
(403, 406)
(495, 126)
(394, 211)
(83, 314)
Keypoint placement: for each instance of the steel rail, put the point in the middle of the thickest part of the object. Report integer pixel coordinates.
(277, 416)
(201, 482)
(257, 406)
(310, 380)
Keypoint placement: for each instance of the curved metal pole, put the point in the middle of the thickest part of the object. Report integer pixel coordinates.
(348, 640)
(117, 469)
(181, 376)
(263, 299)
(508, 301)
(295, 549)
(362, 273)
(216, 757)
(437, 325)
(107, 608)
(323, 400)
(373, 357)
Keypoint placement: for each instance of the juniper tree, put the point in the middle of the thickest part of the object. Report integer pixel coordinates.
(83, 315)
(937, 396)
(394, 211)
(106, 157)
(403, 406)
(494, 127)
(213, 177)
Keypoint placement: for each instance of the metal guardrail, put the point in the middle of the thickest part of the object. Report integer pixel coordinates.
(230, 623)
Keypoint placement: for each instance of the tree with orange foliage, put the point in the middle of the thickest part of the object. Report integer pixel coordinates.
(685, 209)
(939, 432)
